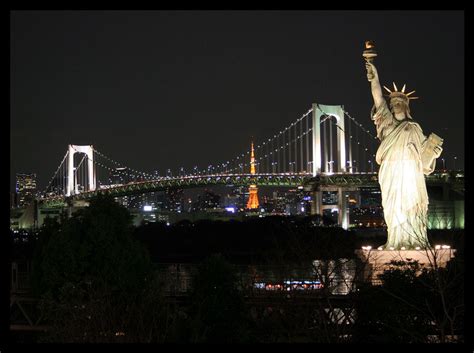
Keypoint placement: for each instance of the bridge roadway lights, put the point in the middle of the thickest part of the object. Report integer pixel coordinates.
(189, 182)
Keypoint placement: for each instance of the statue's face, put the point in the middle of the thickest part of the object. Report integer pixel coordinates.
(398, 106)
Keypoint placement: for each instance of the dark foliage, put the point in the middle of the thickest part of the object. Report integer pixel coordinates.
(217, 311)
(412, 305)
(93, 276)
(248, 241)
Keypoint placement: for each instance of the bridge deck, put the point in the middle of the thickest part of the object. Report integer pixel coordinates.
(261, 179)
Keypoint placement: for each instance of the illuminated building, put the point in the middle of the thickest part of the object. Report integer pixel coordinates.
(175, 200)
(232, 201)
(25, 188)
(239, 196)
(206, 201)
(279, 202)
(367, 217)
(253, 191)
(370, 196)
(330, 197)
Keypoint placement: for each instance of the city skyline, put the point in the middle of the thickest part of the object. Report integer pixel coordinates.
(159, 90)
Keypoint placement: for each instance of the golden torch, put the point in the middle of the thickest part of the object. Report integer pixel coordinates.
(369, 53)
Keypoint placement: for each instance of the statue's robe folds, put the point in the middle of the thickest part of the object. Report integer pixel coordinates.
(402, 181)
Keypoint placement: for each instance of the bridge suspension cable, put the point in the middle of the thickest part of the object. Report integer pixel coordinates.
(370, 147)
(122, 165)
(59, 169)
(287, 148)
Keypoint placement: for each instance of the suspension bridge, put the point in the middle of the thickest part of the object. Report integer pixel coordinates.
(324, 142)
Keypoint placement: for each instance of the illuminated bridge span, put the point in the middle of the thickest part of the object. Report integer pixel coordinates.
(262, 179)
(323, 141)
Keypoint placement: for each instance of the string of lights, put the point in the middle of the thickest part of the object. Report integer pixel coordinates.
(360, 125)
(122, 165)
(372, 140)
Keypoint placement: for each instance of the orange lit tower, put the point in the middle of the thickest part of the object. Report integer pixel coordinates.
(253, 191)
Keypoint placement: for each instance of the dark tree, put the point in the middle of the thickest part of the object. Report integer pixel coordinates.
(413, 305)
(217, 308)
(96, 281)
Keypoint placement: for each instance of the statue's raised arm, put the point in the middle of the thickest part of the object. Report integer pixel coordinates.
(373, 77)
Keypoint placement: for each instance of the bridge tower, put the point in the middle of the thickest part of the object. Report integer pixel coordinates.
(89, 151)
(253, 190)
(336, 111)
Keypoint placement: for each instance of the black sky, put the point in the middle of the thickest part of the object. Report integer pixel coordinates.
(160, 89)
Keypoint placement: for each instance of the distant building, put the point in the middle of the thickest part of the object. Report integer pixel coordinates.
(294, 202)
(367, 217)
(123, 200)
(370, 196)
(206, 201)
(25, 188)
(330, 197)
(174, 200)
(232, 200)
(279, 202)
(446, 207)
(242, 193)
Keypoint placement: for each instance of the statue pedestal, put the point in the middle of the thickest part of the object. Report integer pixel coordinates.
(377, 261)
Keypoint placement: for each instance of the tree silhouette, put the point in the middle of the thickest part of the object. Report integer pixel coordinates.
(94, 279)
(217, 308)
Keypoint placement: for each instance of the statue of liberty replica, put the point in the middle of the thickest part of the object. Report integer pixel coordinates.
(405, 156)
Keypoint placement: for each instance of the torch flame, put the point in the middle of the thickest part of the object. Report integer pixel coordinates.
(369, 44)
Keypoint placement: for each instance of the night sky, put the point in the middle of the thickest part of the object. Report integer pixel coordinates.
(158, 89)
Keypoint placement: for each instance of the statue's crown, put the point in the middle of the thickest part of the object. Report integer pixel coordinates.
(400, 94)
